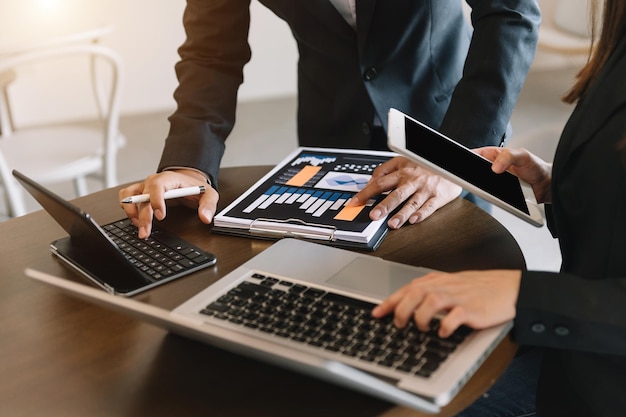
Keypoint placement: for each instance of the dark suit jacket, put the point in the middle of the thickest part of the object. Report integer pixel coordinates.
(406, 54)
(580, 314)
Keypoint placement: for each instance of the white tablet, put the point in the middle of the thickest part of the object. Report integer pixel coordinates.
(457, 163)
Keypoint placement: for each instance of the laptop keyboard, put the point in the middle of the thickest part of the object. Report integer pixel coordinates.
(160, 256)
(335, 323)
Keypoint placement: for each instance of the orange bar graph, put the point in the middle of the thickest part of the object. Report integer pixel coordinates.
(303, 176)
(349, 213)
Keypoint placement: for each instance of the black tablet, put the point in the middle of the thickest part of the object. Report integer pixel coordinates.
(112, 256)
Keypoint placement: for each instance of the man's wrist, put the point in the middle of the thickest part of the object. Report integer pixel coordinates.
(206, 176)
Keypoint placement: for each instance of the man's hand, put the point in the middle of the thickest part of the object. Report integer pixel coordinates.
(142, 214)
(421, 191)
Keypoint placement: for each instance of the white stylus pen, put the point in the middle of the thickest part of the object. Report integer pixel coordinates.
(178, 192)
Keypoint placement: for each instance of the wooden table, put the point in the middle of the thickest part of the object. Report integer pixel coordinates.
(60, 356)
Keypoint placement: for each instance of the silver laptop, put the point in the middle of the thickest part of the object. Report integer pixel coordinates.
(305, 306)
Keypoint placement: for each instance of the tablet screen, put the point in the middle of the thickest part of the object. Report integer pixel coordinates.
(464, 164)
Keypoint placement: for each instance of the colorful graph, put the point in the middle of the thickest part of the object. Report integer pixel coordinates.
(312, 202)
(314, 188)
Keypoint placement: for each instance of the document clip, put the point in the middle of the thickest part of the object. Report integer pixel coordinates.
(295, 228)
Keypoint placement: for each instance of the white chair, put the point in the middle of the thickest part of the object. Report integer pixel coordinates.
(61, 151)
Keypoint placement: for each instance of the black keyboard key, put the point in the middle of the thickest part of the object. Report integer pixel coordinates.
(254, 288)
(297, 288)
(217, 307)
(269, 282)
(313, 293)
(359, 304)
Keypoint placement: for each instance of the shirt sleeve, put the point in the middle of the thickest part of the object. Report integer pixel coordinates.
(209, 73)
(501, 51)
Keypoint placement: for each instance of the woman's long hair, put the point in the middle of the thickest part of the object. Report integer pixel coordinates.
(612, 29)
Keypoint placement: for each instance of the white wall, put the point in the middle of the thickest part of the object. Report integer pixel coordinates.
(147, 34)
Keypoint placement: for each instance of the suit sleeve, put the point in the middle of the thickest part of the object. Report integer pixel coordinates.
(502, 48)
(563, 311)
(209, 73)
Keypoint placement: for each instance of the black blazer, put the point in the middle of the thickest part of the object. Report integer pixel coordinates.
(409, 54)
(580, 313)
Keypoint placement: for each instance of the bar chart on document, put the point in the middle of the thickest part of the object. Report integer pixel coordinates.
(306, 195)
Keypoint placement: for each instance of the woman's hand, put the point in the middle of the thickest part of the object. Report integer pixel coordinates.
(477, 299)
(523, 164)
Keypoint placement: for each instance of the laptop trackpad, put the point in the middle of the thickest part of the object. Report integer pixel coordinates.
(374, 277)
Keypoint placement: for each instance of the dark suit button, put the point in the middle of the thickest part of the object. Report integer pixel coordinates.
(561, 331)
(538, 328)
(365, 128)
(370, 74)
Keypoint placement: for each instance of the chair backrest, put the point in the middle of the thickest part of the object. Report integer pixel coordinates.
(87, 36)
(108, 105)
(92, 36)
(105, 76)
